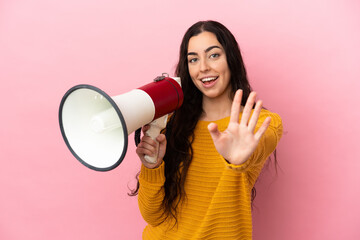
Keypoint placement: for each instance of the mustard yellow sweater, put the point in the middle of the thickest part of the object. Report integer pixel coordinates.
(218, 202)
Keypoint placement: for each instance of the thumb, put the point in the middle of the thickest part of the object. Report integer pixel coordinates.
(214, 131)
(161, 139)
(162, 145)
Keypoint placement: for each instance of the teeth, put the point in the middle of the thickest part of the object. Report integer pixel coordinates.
(208, 79)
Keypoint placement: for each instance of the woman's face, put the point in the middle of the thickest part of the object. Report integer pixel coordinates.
(208, 66)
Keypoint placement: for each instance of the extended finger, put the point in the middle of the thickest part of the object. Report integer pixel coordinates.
(247, 109)
(255, 116)
(235, 107)
(214, 131)
(262, 129)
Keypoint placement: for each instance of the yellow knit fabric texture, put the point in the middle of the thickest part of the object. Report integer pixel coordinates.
(218, 194)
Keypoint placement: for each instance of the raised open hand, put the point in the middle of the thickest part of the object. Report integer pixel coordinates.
(237, 143)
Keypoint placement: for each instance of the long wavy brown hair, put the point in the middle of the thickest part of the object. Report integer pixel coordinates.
(180, 129)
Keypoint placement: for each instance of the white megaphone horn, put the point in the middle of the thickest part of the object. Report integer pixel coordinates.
(95, 126)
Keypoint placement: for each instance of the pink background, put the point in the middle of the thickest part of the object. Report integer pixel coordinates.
(303, 58)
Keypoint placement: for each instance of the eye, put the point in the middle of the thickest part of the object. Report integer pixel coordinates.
(193, 60)
(214, 55)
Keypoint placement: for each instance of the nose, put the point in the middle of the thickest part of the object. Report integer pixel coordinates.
(204, 65)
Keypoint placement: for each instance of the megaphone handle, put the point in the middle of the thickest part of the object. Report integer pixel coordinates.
(155, 127)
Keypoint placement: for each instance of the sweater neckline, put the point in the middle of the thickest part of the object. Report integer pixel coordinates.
(220, 122)
(216, 121)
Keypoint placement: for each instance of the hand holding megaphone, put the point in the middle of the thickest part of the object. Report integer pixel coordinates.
(151, 147)
(155, 128)
(95, 126)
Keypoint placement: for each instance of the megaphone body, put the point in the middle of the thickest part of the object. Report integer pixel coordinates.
(95, 126)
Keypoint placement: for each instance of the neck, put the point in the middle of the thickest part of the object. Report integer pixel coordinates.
(216, 108)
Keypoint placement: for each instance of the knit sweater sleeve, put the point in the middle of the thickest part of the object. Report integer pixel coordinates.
(151, 194)
(266, 146)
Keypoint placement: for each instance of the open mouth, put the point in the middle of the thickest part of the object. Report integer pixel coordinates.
(209, 80)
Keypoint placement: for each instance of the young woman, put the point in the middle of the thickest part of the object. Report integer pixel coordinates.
(213, 149)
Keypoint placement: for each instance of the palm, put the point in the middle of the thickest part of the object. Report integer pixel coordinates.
(237, 143)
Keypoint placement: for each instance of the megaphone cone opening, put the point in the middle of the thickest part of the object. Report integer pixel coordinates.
(102, 146)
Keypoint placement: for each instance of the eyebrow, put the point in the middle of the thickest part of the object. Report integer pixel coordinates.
(206, 50)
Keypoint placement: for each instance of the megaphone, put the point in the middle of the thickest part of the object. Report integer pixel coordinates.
(95, 126)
